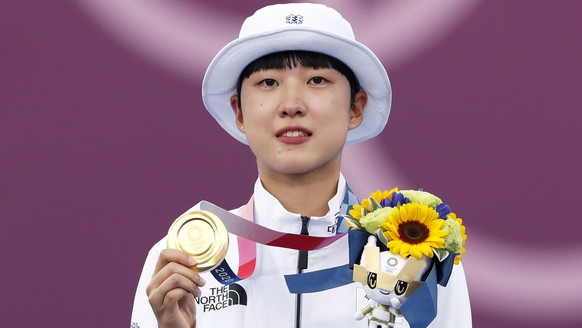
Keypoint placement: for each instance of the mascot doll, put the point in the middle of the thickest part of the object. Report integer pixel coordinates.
(388, 280)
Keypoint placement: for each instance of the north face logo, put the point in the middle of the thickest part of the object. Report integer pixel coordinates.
(294, 19)
(223, 297)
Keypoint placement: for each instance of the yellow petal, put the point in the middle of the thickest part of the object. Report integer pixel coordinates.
(422, 214)
(377, 195)
(458, 259)
(394, 246)
(404, 215)
(415, 252)
(366, 204)
(404, 249)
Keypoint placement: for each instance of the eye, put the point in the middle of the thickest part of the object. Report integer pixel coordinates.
(401, 287)
(372, 280)
(317, 80)
(268, 83)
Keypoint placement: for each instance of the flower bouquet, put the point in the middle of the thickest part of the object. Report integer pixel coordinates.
(419, 241)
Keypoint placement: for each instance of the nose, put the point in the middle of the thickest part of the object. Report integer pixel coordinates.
(292, 103)
(292, 111)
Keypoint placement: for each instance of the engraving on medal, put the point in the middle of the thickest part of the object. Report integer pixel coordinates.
(202, 235)
(196, 237)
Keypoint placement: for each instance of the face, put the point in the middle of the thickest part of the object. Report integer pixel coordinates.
(296, 120)
(393, 265)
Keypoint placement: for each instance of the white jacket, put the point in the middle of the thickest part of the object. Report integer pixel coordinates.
(263, 300)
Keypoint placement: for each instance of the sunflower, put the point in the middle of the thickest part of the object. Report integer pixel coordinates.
(414, 229)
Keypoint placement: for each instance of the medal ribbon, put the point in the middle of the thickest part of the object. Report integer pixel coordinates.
(249, 234)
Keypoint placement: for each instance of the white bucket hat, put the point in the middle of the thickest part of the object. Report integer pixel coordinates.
(303, 27)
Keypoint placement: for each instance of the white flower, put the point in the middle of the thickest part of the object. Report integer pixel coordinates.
(422, 197)
(373, 220)
(453, 239)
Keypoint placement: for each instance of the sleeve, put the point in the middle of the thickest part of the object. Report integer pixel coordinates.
(454, 308)
(142, 315)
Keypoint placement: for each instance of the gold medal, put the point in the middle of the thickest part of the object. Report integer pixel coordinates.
(202, 235)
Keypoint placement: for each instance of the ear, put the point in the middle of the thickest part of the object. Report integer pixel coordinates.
(234, 104)
(357, 109)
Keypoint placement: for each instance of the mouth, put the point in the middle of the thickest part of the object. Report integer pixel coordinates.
(293, 135)
(293, 132)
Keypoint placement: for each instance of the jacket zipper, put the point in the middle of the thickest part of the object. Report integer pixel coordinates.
(301, 265)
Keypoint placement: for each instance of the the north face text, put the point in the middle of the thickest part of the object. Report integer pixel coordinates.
(223, 297)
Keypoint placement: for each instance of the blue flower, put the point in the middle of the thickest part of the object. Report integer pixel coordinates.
(397, 200)
(443, 210)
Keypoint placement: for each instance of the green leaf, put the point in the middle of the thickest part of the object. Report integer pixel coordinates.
(354, 222)
(441, 254)
(375, 204)
(381, 237)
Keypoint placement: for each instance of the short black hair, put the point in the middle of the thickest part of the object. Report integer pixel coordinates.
(294, 58)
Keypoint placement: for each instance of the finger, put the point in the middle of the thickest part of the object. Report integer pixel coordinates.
(171, 290)
(176, 295)
(175, 268)
(174, 255)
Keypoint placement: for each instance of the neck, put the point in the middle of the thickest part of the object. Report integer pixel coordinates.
(306, 194)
